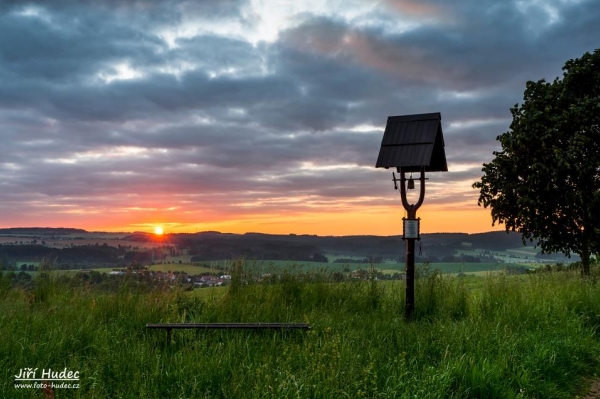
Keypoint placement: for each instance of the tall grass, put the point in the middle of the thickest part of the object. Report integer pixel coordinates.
(509, 337)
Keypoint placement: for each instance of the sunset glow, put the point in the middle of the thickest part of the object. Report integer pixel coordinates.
(260, 116)
(384, 219)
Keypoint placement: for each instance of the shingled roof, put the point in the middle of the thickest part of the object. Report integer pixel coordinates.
(412, 141)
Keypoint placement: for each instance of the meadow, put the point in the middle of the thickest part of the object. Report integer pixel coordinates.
(188, 268)
(387, 267)
(532, 336)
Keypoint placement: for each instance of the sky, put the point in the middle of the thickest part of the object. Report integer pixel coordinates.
(261, 116)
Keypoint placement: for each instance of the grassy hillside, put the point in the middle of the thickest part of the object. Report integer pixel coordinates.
(500, 337)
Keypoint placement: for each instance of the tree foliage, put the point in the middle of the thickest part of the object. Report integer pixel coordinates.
(545, 182)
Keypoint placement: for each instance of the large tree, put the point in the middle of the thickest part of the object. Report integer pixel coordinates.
(545, 182)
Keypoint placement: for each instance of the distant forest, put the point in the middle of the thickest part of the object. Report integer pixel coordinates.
(211, 246)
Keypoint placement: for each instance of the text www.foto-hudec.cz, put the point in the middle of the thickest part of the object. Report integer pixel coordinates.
(30, 378)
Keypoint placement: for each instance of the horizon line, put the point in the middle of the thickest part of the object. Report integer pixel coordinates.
(245, 233)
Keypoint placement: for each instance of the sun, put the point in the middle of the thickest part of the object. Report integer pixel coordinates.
(158, 230)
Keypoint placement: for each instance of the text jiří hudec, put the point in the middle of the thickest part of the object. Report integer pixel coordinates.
(32, 374)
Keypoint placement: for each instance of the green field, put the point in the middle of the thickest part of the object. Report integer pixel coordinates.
(525, 251)
(277, 267)
(452, 267)
(182, 258)
(498, 336)
(182, 267)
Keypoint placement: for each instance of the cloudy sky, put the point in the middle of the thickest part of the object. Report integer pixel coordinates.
(260, 115)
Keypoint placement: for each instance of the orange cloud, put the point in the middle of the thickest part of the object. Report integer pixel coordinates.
(415, 8)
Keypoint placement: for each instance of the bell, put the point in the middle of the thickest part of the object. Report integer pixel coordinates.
(411, 183)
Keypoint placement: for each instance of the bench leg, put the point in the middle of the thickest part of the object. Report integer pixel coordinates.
(168, 336)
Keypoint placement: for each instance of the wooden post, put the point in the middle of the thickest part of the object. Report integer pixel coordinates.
(409, 307)
(410, 242)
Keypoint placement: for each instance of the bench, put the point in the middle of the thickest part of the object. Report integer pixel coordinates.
(229, 326)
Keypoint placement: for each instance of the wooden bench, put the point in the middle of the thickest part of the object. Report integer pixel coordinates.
(229, 326)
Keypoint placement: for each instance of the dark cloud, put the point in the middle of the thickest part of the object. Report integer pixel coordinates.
(66, 48)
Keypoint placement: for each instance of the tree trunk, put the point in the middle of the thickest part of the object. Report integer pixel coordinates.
(585, 258)
(585, 264)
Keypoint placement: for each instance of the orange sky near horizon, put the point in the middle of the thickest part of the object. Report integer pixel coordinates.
(381, 221)
(378, 220)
